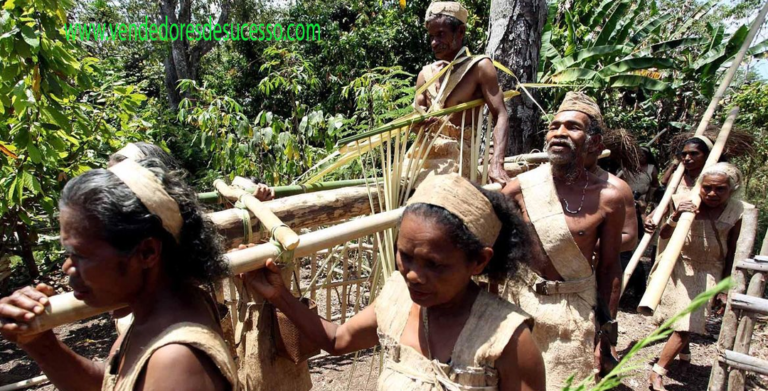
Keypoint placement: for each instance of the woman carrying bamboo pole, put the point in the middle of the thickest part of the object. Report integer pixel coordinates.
(135, 235)
(439, 330)
(693, 155)
(706, 257)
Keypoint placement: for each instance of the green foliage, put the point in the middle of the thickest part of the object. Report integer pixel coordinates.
(271, 148)
(605, 47)
(752, 100)
(60, 114)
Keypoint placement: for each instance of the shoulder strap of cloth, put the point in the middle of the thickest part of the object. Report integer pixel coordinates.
(546, 214)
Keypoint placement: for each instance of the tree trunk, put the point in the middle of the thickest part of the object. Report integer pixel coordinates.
(515, 41)
(27, 255)
(183, 59)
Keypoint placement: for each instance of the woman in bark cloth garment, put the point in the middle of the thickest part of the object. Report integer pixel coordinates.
(439, 330)
(134, 235)
(705, 259)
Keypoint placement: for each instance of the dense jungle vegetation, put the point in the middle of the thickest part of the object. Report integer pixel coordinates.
(270, 110)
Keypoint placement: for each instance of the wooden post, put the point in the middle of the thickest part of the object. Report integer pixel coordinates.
(728, 327)
(284, 234)
(664, 266)
(764, 247)
(744, 333)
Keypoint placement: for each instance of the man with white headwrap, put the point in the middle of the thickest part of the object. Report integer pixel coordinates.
(467, 78)
(570, 209)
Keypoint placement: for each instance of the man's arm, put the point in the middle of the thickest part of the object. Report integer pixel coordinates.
(180, 367)
(421, 99)
(494, 98)
(629, 230)
(609, 268)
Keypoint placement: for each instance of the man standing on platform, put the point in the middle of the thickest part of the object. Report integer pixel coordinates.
(468, 78)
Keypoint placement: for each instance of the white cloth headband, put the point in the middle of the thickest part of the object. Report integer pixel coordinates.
(131, 151)
(148, 188)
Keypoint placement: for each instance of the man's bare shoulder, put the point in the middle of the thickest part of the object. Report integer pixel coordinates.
(485, 68)
(619, 184)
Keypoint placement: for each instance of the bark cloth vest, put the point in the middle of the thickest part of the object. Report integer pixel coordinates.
(194, 335)
(699, 266)
(447, 150)
(491, 324)
(563, 310)
(639, 182)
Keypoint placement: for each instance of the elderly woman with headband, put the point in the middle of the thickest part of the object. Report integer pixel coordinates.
(134, 235)
(706, 257)
(140, 150)
(438, 329)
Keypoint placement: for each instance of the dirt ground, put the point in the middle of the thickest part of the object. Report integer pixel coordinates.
(93, 338)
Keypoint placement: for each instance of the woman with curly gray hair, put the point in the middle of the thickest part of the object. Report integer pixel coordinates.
(134, 235)
(706, 257)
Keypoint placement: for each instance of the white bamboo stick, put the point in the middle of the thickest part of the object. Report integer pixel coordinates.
(663, 271)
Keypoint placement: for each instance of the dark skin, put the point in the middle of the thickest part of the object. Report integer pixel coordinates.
(602, 215)
(438, 276)
(480, 82)
(629, 231)
(102, 277)
(715, 193)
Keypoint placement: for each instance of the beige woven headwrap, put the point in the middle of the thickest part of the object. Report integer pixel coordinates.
(579, 101)
(151, 193)
(448, 8)
(458, 196)
(706, 140)
(131, 151)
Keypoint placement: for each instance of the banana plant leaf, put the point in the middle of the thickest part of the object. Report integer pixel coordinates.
(587, 54)
(760, 50)
(678, 43)
(599, 15)
(636, 81)
(633, 64)
(703, 10)
(649, 28)
(574, 74)
(613, 21)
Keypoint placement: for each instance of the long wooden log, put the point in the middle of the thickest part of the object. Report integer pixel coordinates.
(213, 197)
(282, 233)
(745, 362)
(764, 247)
(719, 375)
(664, 266)
(64, 308)
(744, 333)
(299, 211)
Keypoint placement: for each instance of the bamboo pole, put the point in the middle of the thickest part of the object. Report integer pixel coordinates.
(725, 340)
(678, 175)
(284, 234)
(664, 266)
(656, 137)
